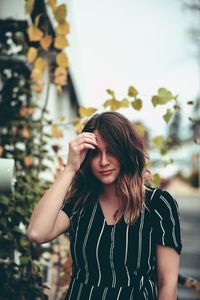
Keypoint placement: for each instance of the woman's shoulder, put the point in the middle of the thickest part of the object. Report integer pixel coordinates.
(158, 197)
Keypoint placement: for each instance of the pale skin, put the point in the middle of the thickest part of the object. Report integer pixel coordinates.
(48, 221)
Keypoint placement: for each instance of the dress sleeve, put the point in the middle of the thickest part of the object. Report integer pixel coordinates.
(166, 222)
(67, 207)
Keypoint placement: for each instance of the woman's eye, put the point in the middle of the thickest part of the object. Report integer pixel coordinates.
(95, 152)
(110, 151)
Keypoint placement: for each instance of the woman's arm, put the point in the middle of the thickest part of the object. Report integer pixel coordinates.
(167, 270)
(48, 221)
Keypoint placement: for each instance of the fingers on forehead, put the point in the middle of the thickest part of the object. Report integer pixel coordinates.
(88, 134)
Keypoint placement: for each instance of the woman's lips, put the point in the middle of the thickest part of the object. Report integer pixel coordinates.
(105, 173)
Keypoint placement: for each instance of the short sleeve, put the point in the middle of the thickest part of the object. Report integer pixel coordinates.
(67, 207)
(166, 221)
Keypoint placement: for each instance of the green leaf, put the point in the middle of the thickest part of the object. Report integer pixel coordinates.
(141, 129)
(111, 93)
(24, 242)
(156, 100)
(24, 260)
(9, 236)
(158, 141)
(4, 200)
(132, 92)
(165, 95)
(167, 116)
(20, 210)
(29, 6)
(124, 103)
(137, 104)
(156, 179)
(163, 150)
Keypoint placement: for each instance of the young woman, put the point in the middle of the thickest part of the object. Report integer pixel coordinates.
(125, 237)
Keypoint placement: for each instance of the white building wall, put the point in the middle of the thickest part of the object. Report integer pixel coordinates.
(58, 103)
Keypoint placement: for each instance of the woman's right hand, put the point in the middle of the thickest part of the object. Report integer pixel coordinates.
(78, 149)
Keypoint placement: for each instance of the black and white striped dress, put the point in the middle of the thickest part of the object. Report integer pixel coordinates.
(112, 262)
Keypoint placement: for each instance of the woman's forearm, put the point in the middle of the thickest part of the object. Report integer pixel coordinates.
(167, 292)
(46, 211)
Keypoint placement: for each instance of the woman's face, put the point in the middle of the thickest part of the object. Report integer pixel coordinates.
(104, 165)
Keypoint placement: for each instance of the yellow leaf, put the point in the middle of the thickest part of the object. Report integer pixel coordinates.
(132, 92)
(36, 74)
(163, 150)
(28, 160)
(37, 19)
(56, 132)
(156, 179)
(86, 111)
(165, 95)
(60, 71)
(62, 59)
(38, 86)
(34, 33)
(32, 54)
(62, 118)
(78, 124)
(1, 150)
(60, 76)
(124, 103)
(52, 4)
(26, 133)
(60, 13)
(158, 141)
(29, 6)
(137, 104)
(156, 100)
(63, 28)
(46, 42)
(60, 80)
(168, 115)
(111, 93)
(114, 104)
(40, 64)
(60, 42)
(141, 129)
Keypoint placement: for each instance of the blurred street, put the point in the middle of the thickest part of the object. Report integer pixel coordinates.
(189, 205)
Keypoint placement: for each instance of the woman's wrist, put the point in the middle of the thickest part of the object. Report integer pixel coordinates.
(69, 170)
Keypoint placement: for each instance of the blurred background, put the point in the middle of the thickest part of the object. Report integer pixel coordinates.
(60, 62)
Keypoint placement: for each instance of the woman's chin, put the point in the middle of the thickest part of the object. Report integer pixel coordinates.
(107, 180)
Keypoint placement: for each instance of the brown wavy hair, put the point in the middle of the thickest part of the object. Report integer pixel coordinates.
(124, 142)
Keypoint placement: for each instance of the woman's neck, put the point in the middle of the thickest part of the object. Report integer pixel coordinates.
(109, 193)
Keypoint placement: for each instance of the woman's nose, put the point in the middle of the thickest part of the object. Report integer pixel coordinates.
(104, 159)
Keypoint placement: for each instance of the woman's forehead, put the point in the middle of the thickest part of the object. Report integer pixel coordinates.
(100, 140)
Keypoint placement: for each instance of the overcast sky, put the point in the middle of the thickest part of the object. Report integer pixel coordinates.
(118, 43)
(115, 44)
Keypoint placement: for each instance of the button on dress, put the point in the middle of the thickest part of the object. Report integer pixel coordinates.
(118, 262)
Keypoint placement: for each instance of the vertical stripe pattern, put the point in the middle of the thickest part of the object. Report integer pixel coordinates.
(118, 262)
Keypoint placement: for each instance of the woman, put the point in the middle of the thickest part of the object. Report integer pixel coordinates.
(125, 238)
